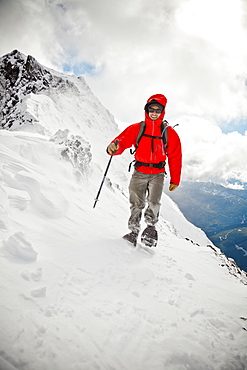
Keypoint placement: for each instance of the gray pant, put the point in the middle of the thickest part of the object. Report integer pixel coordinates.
(144, 187)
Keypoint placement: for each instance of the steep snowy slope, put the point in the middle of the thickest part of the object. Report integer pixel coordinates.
(73, 294)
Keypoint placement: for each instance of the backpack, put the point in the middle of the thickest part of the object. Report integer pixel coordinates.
(141, 133)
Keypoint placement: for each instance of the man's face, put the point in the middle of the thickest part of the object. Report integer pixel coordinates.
(154, 111)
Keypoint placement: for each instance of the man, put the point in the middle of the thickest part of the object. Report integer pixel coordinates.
(150, 156)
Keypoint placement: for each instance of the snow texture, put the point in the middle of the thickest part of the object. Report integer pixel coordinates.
(74, 294)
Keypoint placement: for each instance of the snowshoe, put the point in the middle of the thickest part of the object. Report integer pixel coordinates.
(131, 237)
(149, 236)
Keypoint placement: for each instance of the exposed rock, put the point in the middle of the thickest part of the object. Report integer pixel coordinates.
(20, 76)
(75, 149)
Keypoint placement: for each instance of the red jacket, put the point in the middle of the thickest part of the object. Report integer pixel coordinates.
(152, 150)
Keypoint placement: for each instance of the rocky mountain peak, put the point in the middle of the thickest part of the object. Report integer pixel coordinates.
(20, 76)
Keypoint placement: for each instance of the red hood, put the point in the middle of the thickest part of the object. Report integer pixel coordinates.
(160, 99)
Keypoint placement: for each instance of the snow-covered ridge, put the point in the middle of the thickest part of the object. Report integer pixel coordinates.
(74, 295)
(20, 76)
(78, 294)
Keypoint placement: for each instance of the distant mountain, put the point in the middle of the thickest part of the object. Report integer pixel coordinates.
(221, 212)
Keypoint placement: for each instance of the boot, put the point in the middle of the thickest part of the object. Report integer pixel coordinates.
(131, 237)
(149, 236)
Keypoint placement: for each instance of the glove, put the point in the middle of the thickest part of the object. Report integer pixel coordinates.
(112, 148)
(172, 187)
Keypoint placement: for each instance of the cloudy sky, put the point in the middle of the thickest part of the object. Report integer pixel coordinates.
(192, 51)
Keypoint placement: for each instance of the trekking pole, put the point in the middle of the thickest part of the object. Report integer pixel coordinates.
(107, 168)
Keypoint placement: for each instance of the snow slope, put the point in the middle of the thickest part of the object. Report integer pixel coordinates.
(74, 295)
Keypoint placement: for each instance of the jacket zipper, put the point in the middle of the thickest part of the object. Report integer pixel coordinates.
(153, 139)
(152, 144)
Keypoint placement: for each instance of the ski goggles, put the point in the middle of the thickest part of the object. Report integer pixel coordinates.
(152, 110)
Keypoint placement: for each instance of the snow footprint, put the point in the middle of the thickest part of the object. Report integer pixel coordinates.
(32, 275)
(35, 276)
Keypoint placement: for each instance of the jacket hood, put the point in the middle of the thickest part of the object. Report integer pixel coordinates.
(159, 99)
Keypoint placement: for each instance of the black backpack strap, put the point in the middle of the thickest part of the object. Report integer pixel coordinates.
(164, 132)
(139, 136)
(159, 165)
(137, 164)
(153, 137)
(132, 162)
(163, 136)
(141, 132)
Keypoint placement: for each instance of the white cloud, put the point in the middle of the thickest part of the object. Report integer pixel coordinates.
(28, 26)
(217, 21)
(209, 154)
(193, 51)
